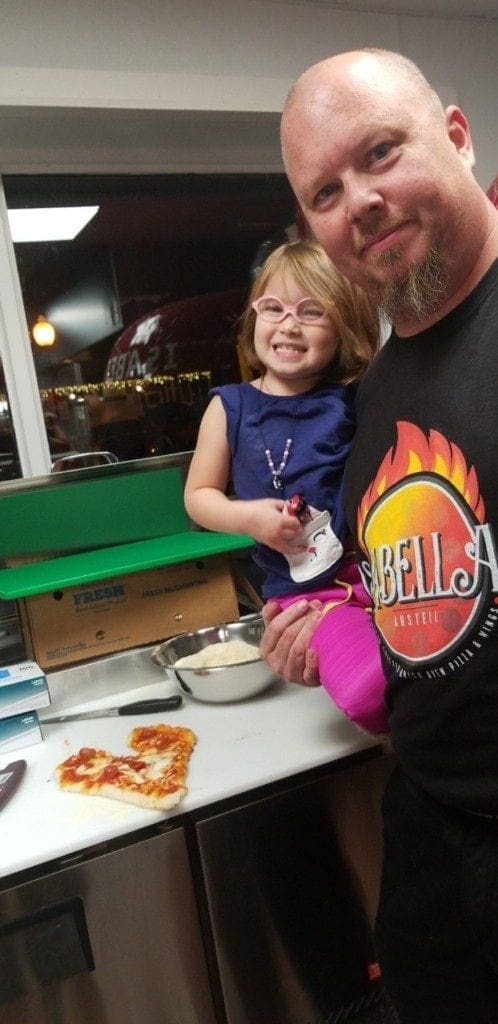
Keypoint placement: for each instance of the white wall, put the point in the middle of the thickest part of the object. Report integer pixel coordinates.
(69, 72)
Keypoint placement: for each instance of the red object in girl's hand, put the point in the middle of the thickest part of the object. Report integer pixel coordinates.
(296, 506)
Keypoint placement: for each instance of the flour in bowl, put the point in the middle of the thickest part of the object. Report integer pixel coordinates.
(232, 652)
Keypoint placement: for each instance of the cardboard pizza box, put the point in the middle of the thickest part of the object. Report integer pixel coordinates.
(78, 623)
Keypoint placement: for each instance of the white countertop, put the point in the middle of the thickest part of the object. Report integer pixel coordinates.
(286, 730)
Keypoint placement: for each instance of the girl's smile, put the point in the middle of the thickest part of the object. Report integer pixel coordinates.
(287, 349)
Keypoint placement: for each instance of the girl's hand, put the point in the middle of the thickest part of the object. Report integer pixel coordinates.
(270, 524)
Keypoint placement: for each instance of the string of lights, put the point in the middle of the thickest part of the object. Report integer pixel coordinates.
(172, 383)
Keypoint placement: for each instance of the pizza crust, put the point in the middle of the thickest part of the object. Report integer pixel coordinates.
(129, 796)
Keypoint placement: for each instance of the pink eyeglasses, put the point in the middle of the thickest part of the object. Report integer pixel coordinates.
(306, 311)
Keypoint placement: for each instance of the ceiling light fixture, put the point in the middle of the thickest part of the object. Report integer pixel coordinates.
(50, 223)
(43, 332)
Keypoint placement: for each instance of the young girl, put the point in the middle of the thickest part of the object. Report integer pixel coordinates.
(283, 440)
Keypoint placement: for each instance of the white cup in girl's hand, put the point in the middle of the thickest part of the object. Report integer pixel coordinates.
(322, 548)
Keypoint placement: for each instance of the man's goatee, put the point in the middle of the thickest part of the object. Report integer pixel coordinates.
(419, 294)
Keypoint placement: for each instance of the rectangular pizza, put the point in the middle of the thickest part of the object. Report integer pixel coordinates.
(153, 777)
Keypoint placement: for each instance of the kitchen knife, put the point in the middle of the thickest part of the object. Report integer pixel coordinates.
(139, 707)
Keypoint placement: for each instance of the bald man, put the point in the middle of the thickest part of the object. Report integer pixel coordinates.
(384, 177)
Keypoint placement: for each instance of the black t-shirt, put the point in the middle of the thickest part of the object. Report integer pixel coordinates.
(421, 494)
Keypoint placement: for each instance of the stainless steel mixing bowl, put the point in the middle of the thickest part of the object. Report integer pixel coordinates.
(220, 684)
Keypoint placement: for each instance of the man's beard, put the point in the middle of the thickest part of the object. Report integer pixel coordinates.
(419, 293)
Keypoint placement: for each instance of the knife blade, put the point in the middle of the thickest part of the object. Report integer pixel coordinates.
(138, 707)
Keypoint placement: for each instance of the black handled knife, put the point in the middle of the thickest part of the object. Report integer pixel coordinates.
(138, 707)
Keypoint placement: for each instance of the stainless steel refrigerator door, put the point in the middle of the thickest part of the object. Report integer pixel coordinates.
(287, 901)
(112, 940)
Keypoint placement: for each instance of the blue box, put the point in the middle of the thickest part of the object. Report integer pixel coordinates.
(19, 731)
(23, 688)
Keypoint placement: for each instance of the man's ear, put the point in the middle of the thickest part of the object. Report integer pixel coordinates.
(458, 130)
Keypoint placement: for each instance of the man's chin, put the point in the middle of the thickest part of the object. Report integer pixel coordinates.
(377, 273)
(415, 293)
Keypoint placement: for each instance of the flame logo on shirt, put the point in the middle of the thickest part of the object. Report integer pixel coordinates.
(431, 561)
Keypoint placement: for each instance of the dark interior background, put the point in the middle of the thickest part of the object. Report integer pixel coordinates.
(158, 238)
(171, 255)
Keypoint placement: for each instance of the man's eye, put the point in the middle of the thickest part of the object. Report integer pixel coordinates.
(381, 151)
(326, 192)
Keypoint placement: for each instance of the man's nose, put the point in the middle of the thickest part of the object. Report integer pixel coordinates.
(362, 198)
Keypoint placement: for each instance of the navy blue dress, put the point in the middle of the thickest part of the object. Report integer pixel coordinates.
(321, 424)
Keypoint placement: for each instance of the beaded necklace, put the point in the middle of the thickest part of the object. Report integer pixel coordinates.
(277, 474)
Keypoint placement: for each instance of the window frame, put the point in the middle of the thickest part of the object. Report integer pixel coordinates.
(21, 384)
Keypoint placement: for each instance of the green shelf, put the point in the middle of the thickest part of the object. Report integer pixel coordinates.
(103, 563)
(63, 532)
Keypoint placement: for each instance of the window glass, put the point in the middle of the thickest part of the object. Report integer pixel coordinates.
(143, 301)
(9, 460)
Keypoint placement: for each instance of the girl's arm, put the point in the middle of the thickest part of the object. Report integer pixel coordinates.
(207, 479)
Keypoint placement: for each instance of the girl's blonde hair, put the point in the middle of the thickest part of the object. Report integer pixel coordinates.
(353, 314)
